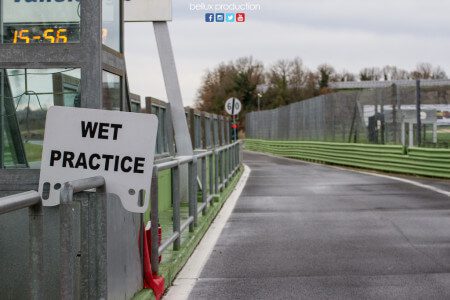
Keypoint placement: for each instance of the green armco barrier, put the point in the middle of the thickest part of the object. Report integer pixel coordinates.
(387, 158)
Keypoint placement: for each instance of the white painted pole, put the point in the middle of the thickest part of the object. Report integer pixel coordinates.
(434, 133)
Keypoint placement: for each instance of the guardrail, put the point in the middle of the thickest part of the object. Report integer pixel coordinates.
(217, 167)
(32, 200)
(388, 158)
(227, 160)
(67, 247)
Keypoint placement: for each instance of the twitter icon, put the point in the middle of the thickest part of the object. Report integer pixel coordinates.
(230, 18)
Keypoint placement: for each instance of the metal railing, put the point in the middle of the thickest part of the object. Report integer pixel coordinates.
(67, 247)
(223, 164)
(32, 200)
(217, 168)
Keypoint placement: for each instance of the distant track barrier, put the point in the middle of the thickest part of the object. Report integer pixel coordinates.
(387, 158)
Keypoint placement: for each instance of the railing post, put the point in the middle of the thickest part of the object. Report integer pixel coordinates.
(192, 131)
(216, 171)
(36, 251)
(67, 259)
(211, 174)
(222, 168)
(193, 193)
(204, 187)
(154, 218)
(233, 161)
(176, 206)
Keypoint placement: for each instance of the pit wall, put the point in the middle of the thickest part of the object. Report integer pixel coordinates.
(386, 158)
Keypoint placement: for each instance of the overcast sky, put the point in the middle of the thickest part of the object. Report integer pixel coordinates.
(349, 34)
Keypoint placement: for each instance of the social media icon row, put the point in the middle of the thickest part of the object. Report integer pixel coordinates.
(221, 17)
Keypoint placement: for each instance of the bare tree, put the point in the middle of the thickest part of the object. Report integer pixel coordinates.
(394, 73)
(344, 76)
(370, 74)
(428, 71)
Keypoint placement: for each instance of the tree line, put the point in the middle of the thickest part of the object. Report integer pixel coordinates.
(288, 81)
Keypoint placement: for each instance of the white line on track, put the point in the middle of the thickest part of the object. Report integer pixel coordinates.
(188, 276)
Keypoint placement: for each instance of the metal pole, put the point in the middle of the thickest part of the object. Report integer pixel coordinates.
(204, 187)
(211, 174)
(418, 111)
(2, 104)
(193, 193)
(67, 259)
(216, 171)
(176, 206)
(36, 251)
(223, 167)
(154, 217)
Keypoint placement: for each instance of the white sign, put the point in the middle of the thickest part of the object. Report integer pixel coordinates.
(81, 143)
(233, 106)
(24, 11)
(148, 10)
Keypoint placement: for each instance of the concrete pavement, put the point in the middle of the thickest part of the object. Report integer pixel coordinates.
(305, 231)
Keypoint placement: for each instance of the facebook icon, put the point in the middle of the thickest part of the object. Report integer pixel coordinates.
(209, 18)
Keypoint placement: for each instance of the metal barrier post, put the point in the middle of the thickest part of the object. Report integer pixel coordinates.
(154, 217)
(193, 193)
(222, 168)
(216, 171)
(176, 206)
(211, 174)
(36, 251)
(67, 257)
(204, 187)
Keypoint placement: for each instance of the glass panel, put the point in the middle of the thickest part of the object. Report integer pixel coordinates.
(26, 95)
(112, 91)
(34, 22)
(135, 106)
(111, 24)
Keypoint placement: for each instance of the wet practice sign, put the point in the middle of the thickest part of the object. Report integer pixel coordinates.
(81, 143)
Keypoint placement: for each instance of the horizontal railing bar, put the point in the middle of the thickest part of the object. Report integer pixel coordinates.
(210, 198)
(186, 224)
(187, 159)
(87, 184)
(204, 154)
(168, 242)
(201, 207)
(19, 201)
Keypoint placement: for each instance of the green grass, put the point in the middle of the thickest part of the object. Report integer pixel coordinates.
(33, 152)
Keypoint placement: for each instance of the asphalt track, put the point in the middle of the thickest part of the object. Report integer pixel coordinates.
(305, 231)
